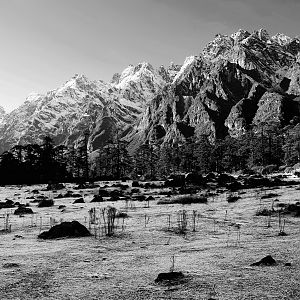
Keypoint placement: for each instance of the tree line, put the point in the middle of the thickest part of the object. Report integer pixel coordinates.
(262, 146)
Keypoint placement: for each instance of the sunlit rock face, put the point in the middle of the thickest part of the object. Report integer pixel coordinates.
(81, 105)
(236, 82)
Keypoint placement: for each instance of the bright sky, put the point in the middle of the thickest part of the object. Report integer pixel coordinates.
(45, 42)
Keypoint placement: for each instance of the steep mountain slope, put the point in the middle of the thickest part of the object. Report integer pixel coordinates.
(141, 83)
(82, 105)
(65, 113)
(236, 81)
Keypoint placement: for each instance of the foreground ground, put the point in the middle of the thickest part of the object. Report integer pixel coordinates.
(215, 262)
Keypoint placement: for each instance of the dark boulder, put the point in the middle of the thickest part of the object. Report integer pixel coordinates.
(46, 203)
(139, 198)
(135, 184)
(79, 200)
(266, 261)
(192, 178)
(170, 277)
(225, 179)
(65, 229)
(97, 198)
(233, 198)
(7, 204)
(23, 210)
(103, 193)
(55, 186)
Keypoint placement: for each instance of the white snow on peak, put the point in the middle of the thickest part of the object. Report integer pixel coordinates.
(281, 39)
(140, 83)
(263, 34)
(33, 96)
(240, 35)
(186, 67)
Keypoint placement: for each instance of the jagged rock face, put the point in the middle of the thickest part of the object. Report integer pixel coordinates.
(238, 80)
(140, 83)
(82, 105)
(65, 113)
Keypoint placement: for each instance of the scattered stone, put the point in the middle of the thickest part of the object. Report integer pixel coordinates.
(61, 206)
(65, 229)
(19, 236)
(11, 265)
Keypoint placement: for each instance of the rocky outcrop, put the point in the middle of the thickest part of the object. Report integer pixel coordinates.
(237, 81)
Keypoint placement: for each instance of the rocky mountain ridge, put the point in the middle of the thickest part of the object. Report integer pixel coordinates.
(237, 81)
(81, 105)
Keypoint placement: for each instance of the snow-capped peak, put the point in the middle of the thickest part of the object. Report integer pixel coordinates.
(262, 34)
(140, 83)
(240, 35)
(188, 64)
(218, 46)
(33, 96)
(281, 39)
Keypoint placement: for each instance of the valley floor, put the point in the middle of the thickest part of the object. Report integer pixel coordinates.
(216, 264)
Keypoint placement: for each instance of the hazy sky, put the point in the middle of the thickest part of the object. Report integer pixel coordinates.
(45, 42)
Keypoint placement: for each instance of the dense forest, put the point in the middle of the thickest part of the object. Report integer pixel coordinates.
(264, 148)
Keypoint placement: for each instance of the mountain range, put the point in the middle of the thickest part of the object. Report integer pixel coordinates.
(236, 82)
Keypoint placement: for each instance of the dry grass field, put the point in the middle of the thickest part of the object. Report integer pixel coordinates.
(222, 240)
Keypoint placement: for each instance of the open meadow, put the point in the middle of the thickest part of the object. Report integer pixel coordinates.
(212, 243)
